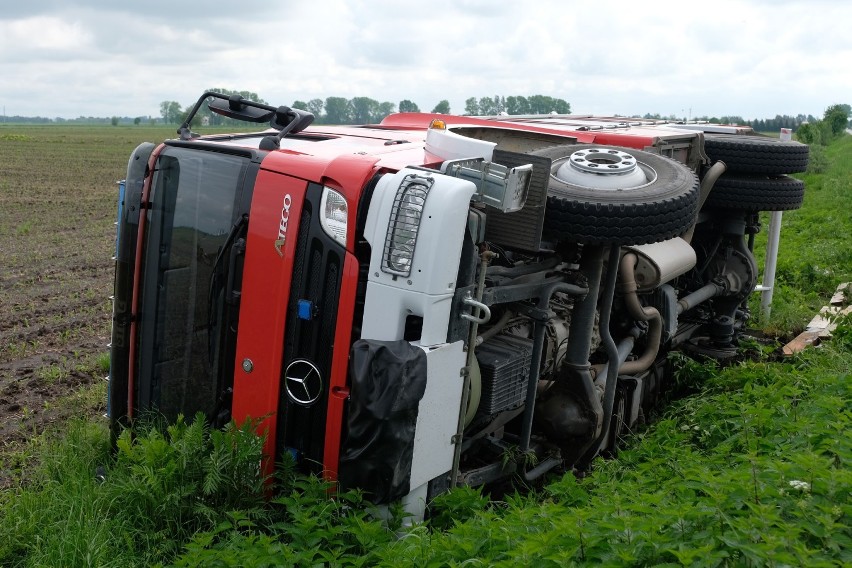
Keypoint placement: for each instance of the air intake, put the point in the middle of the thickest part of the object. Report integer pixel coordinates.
(504, 363)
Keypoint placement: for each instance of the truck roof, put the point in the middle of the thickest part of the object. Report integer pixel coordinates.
(587, 129)
(400, 139)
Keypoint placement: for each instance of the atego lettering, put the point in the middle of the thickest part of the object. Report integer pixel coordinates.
(282, 227)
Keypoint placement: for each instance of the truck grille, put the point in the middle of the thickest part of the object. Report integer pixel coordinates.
(310, 333)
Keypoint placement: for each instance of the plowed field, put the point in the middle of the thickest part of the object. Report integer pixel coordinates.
(57, 212)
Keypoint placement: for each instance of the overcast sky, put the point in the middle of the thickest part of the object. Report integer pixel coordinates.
(751, 58)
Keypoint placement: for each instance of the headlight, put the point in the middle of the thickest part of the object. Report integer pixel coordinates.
(334, 214)
(401, 239)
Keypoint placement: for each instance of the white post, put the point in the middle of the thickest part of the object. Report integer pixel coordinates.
(772, 241)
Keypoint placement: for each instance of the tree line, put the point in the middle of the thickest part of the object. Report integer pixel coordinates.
(332, 110)
(760, 125)
(114, 120)
(365, 110)
(535, 104)
(834, 123)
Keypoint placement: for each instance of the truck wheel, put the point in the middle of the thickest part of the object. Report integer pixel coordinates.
(613, 195)
(757, 154)
(757, 193)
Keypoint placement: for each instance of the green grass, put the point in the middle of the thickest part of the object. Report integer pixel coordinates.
(55, 522)
(754, 469)
(87, 507)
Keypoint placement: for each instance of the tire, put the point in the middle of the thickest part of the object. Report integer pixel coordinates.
(757, 154)
(652, 211)
(757, 193)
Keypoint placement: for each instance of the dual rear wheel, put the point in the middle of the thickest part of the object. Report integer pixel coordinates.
(756, 178)
(603, 195)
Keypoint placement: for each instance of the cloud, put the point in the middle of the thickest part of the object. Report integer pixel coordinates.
(752, 58)
(44, 37)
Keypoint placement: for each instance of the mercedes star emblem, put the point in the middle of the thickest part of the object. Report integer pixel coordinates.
(303, 382)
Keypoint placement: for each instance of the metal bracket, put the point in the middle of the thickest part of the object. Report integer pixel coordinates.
(499, 186)
(484, 310)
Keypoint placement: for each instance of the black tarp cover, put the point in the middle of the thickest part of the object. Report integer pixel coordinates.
(388, 381)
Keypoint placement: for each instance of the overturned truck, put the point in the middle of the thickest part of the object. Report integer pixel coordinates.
(430, 301)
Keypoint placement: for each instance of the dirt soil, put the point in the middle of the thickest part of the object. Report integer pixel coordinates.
(57, 211)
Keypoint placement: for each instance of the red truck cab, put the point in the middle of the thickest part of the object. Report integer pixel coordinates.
(401, 306)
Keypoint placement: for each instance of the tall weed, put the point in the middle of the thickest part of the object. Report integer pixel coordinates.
(60, 519)
(170, 484)
(136, 506)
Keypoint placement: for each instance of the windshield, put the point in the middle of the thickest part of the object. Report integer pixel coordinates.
(193, 209)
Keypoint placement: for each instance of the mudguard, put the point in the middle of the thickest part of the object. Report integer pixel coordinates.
(388, 381)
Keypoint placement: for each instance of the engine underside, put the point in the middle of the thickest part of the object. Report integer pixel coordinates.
(576, 350)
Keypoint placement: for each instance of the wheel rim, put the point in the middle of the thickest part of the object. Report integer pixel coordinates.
(604, 168)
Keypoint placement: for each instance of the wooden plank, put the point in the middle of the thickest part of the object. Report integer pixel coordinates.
(802, 341)
(821, 326)
(842, 295)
